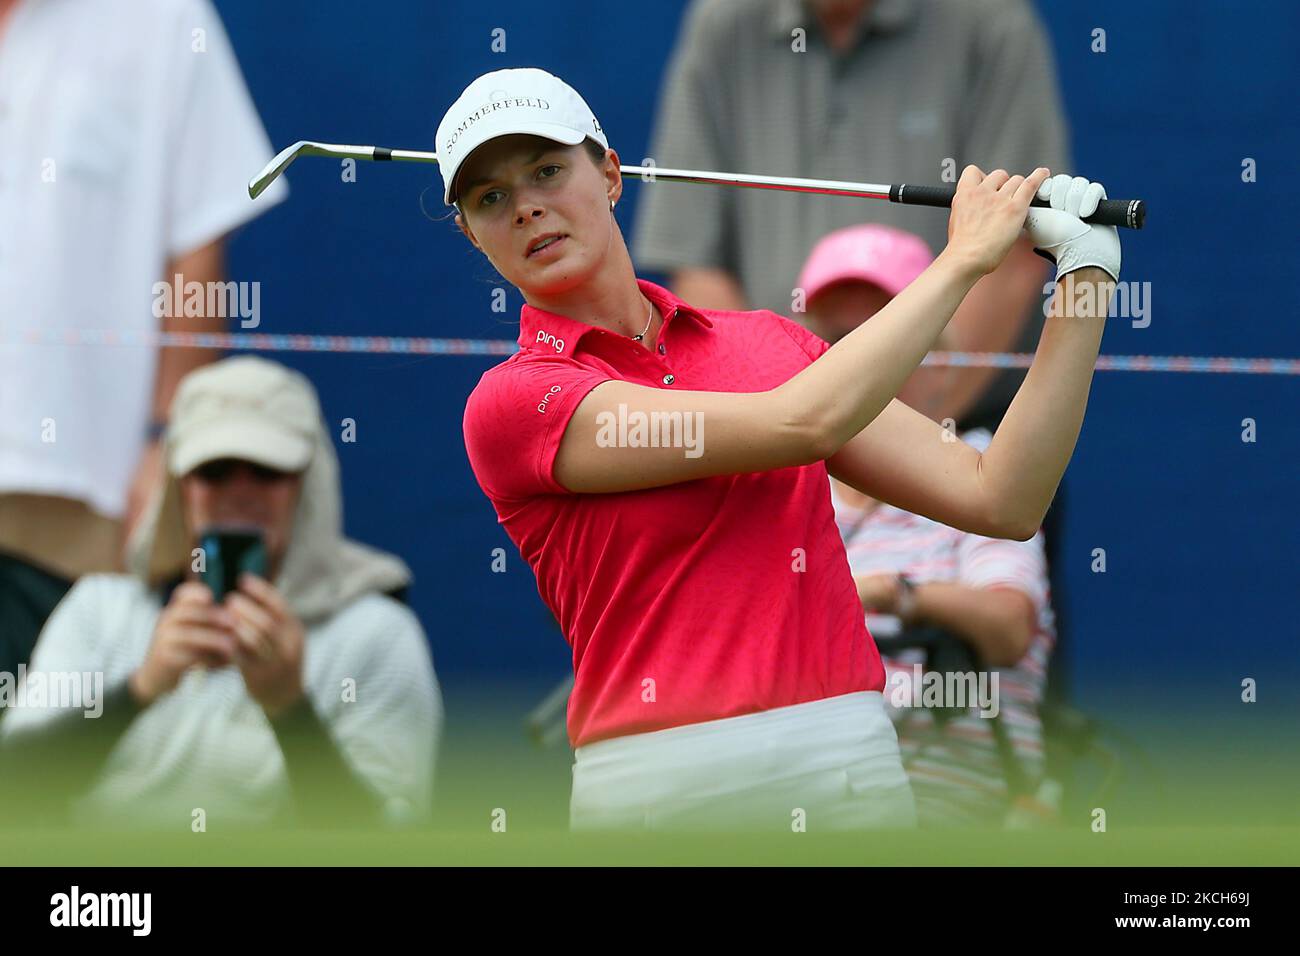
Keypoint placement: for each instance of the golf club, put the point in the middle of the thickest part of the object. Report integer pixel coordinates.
(1129, 213)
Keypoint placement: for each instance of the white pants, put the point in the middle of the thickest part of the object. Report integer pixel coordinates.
(827, 764)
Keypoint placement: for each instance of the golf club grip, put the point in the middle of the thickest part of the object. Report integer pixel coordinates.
(1128, 213)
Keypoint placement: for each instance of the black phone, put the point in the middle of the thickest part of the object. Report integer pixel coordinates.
(228, 553)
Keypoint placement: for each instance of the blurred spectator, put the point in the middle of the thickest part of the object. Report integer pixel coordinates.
(129, 136)
(991, 594)
(877, 90)
(305, 699)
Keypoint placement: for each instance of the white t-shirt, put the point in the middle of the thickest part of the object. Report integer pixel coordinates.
(208, 744)
(127, 137)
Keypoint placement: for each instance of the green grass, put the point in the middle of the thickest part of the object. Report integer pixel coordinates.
(1197, 790)
(1147, 846)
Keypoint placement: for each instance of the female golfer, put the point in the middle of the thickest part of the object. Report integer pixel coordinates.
(663, 470)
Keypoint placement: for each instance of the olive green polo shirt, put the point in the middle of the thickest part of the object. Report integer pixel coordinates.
(927, 87)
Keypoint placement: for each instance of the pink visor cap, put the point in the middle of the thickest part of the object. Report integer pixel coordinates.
(887, 257)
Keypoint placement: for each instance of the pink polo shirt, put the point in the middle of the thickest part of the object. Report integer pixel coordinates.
(679, 605)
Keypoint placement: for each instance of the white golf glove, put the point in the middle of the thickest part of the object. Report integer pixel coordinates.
(1060, 234)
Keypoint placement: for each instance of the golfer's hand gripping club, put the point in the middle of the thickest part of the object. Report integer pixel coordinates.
(1129, 213)
(1061, 233)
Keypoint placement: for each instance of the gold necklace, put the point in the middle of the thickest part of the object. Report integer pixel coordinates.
(648, 319)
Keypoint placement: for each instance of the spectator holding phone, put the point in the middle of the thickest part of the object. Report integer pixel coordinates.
(300, 693)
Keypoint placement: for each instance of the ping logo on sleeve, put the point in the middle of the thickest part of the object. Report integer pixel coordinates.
(541, 406)
(546, 338)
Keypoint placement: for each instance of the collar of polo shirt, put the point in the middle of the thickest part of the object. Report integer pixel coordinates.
(886, 16)
(545, 332)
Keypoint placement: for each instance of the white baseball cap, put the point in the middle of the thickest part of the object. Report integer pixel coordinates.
(243, 407)
(523, 100)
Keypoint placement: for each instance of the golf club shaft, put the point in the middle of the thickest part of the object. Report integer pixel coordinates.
(1129, 213)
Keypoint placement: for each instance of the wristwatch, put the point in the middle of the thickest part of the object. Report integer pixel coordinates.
(906, 608)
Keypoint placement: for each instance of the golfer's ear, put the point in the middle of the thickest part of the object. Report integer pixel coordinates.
(460, 224)
(613, 176)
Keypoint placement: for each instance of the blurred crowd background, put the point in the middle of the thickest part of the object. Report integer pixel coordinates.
(1187, 106)
(1183, 94)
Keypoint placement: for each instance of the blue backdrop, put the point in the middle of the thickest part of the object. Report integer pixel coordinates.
(1198, 526)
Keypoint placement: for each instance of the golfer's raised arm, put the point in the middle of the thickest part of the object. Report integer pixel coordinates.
(809, 417)
(1029, 452)
(911, 462)
(902, 458)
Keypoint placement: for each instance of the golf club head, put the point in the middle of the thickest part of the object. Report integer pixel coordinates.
(272, 170)
(306, 147)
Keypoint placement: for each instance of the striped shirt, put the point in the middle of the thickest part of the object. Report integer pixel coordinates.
(955, 769)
